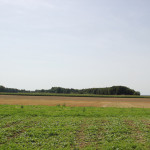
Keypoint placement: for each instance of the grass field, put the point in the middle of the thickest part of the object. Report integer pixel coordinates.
(61, 127)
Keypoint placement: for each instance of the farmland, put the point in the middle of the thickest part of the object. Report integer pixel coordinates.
(62, 127)
(76, 101)
(75, 123)
(74, 95)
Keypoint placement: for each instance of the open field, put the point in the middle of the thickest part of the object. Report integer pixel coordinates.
(75, 95)
(75, 101)
(73, 128)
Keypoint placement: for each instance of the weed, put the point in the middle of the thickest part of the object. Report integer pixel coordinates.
(64, 105)
(84, 109)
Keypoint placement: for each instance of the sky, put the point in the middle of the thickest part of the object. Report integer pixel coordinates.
(75, 44)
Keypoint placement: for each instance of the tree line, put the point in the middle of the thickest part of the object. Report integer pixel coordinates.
(114, 90)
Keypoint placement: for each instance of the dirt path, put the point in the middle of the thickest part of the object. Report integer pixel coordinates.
(75, 101)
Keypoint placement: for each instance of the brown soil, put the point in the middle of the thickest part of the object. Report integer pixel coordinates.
(75, 101)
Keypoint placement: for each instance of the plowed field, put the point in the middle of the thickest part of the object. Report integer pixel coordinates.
(75, 101)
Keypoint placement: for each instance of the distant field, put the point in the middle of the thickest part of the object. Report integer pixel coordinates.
(73, 128)
(75, 95)
(75, 101)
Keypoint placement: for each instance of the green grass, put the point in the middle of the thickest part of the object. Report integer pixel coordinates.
(61, 127)
(75, 95)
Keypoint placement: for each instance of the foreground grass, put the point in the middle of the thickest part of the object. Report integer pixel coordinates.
(75, 95)
(60, 127)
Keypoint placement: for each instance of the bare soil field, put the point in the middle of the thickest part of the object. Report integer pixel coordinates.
(75, 101)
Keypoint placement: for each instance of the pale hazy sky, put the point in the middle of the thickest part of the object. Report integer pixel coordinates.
(75, 44)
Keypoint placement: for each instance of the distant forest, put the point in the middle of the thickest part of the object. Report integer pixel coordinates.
(114, 90)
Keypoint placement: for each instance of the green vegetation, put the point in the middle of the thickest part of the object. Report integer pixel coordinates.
(75, 95)
(61, 127)
(114, 90)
